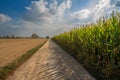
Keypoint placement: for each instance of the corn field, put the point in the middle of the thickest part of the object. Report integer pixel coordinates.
(96, 46)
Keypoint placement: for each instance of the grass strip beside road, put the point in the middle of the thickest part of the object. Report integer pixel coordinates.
(9, 69)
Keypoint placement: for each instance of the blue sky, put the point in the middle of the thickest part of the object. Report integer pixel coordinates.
(50, 17)
(15, 8)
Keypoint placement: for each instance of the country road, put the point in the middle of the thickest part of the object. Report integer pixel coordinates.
(51, 63)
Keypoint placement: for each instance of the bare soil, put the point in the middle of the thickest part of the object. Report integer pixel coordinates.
(51, 63)
(11, 49)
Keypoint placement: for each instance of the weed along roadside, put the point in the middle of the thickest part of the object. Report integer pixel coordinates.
(96, 46)
(9, 69)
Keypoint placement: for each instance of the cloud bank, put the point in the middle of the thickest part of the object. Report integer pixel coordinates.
(41, 11)
(103, 8)
(47, 16)
(4, 18)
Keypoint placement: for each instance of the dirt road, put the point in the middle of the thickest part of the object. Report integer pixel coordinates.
(51, 63)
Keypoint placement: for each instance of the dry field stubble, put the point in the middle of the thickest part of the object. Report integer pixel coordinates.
(11, 49)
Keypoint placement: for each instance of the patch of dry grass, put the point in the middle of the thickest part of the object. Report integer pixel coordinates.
(11, 49)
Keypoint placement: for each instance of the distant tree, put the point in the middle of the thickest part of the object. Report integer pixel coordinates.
(12, 36)
(34, 35)
(7, 36)
(4, 36)
(47, 37)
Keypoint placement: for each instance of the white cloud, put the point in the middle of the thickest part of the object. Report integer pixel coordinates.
(82, 14)
(38, 12)
(41, 11)
(103, 8)
(4, 18)
(47, 17)
(28, 8)
(65, 5)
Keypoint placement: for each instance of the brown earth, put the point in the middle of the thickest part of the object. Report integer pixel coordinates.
(11, 49)
(51, 63)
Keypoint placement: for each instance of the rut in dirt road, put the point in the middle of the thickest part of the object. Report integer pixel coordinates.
(51, 63)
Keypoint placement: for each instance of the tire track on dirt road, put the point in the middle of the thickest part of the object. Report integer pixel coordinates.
(51, 63)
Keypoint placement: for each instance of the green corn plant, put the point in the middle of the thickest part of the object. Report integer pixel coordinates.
(96, 46)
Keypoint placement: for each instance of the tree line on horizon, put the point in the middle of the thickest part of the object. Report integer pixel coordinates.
(34, 35)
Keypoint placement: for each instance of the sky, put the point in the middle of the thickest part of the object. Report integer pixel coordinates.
(50, 17)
